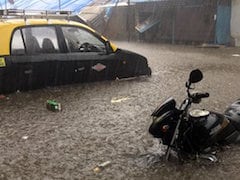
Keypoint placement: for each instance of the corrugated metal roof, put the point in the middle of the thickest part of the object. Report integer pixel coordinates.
(72, 5)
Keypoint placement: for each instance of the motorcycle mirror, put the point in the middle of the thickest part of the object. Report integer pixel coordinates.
(195, 76)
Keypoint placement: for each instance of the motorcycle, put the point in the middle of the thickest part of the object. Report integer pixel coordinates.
(194, 133)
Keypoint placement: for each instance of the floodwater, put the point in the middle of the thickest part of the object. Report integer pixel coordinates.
(108, 121)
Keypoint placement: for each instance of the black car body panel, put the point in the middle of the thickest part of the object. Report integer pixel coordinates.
(28, 72)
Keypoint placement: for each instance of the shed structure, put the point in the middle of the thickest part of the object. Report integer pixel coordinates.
(201, 21)
(205, 21)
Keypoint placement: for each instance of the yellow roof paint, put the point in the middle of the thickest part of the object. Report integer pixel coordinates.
(8, 25)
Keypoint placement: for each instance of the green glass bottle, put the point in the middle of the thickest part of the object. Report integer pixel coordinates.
(52, 105)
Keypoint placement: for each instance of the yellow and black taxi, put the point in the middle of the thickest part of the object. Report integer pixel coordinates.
(36, 52)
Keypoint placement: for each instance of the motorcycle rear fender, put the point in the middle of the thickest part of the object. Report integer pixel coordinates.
(229, 135)
(233, 114)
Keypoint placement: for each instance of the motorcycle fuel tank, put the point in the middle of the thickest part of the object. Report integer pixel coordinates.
(207, 127)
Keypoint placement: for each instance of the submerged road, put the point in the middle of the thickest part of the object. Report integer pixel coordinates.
(108, 121)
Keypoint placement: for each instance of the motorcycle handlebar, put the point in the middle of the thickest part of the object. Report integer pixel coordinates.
(200, 95)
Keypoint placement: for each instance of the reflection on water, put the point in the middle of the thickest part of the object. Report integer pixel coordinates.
(39, 144)
(154, 155)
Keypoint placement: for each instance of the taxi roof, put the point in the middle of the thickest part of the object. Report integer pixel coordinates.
(27, 22)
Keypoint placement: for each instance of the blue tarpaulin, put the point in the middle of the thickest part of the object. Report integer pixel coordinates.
(70, 5)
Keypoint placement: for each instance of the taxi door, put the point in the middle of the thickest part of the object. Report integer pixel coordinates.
(34, 51)
(87, 58)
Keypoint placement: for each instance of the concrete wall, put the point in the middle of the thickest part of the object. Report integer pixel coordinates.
(235, 22)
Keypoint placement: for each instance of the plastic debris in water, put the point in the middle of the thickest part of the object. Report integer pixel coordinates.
(25, 137)
(2, 96)
(236, 55)
(118, 100)
(101, 166)
(53, 105)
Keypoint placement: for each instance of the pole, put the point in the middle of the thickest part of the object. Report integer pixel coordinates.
(6, 5)
(128, 23)
(59, 5)
(173, 25)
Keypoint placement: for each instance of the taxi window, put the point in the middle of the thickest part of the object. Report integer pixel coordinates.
(17, 46)
(40, 40)
(37, 40)
(81, 40)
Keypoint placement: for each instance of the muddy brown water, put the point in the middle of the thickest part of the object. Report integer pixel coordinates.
(108, 121)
